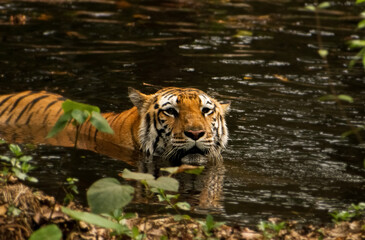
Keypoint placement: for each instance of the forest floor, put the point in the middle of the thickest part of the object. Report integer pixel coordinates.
(38, 210)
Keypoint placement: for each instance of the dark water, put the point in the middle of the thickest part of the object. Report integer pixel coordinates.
(286, 157)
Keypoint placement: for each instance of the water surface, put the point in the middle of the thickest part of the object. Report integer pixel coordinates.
(286, 157)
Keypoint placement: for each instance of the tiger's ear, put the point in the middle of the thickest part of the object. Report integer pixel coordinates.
(226, 106)
(137, 98)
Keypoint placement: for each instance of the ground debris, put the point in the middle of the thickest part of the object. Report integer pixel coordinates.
(37, 210)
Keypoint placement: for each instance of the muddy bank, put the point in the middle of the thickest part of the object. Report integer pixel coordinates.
(23, 210)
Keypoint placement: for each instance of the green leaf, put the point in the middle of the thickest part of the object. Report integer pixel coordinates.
(32, 179)
(183, 206)
(359, 1)
(60, 124)
(49, 232)
(356, 43)
(100, 123)
(5, 158)
(323, 53)
(171, 170)
(243, 33)
(324, 5)
(79, 116)
(16, 150)
(136, 176)
(345, 98)
(361, 24)
(165, 183)
(19, 174)
(196, 171)
(181, 217)
(70, 105)
(311, 8)
(342, 97)
(107, 194)
(25, 158)
(95, 220)
(209, 222)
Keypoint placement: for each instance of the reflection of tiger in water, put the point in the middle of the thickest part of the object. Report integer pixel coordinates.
(172, 123)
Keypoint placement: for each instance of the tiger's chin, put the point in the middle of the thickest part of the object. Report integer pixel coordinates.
(193, 156)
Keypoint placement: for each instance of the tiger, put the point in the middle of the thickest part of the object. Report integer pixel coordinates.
(172, 123)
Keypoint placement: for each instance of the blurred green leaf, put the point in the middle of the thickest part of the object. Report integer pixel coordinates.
(60, 124)
(342, 97)
(16, 150)
(107, 194)
(79, 115)
(136, 176)
(361, 24)
(70, 105)
(164, 183)
(95, 220)
(356, 43)
(100, 123)
(243, 33)
(345, 98)
(183, 206)
(49, 232)
(310, 8)
(324, 5)
(323, 53)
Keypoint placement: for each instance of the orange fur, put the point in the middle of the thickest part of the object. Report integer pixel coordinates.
(172, 122)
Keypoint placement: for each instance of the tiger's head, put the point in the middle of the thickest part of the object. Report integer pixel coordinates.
(176, 122)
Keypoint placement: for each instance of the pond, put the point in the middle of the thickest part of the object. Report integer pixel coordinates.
(285, 158)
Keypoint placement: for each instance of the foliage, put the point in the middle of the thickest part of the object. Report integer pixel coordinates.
(209, 225)
(70, 189)
(18, 165)
(49, 232)
(270, 229)
(354, 211)
(77, 114)
(359, 44)
(107, 197)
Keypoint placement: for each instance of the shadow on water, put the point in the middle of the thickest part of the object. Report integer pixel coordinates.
(285, 156)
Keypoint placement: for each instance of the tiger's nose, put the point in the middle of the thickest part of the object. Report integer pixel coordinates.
(195, 135)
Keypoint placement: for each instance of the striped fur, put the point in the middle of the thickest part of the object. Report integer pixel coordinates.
(172, 123)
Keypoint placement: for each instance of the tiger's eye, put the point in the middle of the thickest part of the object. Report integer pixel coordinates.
(171, 111)
(206, 110)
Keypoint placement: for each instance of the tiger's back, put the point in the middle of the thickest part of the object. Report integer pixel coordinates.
(36, 113)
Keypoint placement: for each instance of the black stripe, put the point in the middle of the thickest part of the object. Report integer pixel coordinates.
(61, 98)
(18, 100)
(147, 122)
(155, 125)
(59, 110)
(45, 118)
(166, 103)
(4, 110)
(115, 118)
(50, 104)
(29, 106)
(90, 129)
(28, 120)
(96, 133)
(6, 99)
(170, 91)
(155, 143)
